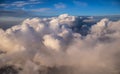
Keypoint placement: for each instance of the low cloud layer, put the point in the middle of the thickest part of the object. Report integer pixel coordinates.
(40, 45)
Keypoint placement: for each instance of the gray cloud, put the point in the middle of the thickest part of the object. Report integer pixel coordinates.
(14, 13)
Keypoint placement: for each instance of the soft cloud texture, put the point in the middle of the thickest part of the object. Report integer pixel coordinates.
(60, 5)
(41, 10)
(20, 3)
(80, 3)
(49, 45)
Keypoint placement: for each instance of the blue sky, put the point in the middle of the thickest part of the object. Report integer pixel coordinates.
(56, 7)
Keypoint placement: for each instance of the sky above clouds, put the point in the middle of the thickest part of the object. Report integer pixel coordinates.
(56, 7)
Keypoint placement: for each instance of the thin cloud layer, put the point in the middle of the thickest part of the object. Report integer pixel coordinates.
(41, 10)
(50, 45)
(20, 3)
(60, 5)
(80, 3)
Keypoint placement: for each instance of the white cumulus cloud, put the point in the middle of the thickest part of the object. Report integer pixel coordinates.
(38, 44)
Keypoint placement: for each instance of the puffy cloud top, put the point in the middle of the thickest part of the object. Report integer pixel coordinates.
(49, 42)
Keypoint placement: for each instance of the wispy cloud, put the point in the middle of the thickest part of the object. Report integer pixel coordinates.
(33, 0)
(14, 13)
(41, 10)
(3, 4)
(80, 3)
(20, 3)
(60, 5)
(116, 3)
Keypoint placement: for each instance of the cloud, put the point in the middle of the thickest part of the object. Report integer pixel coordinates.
(33, 0)
(3, 5)
(60, 5)
(14, 13)
(41, 10)
(19, 3)
(116, 2)
(80, 3)
(50, 45)
(51, 42)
